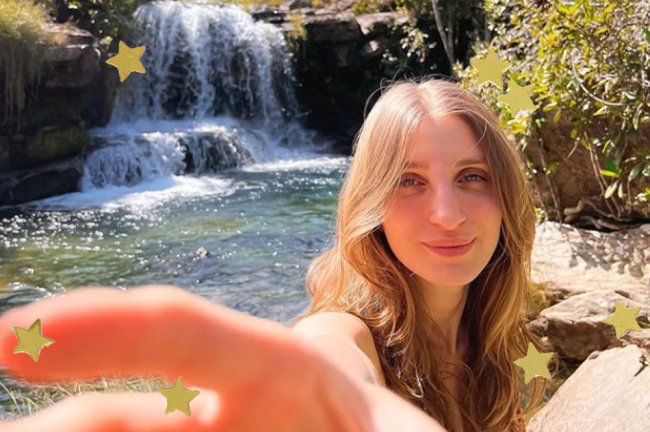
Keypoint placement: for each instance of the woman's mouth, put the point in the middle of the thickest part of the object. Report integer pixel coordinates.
(451, 251)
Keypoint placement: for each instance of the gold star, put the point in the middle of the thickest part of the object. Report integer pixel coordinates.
(179, 397)
(518, 98)
(490, 68)
(31, 341)
(127, 60)
(623, 319)
(534, 363)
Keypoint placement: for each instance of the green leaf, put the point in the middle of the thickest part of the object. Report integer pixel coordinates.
(635, 171)
(610, 165)
(556, 117)
(601, 111)
(620, 190)
(646, 171)
(646, 34)
(611, 189)
(608, 173)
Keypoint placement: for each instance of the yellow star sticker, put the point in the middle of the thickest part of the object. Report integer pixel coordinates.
(490, 68)
(31, 340)
(535, 363)
(518, 98)
(623, 319)
(127, 60)
(179, 397)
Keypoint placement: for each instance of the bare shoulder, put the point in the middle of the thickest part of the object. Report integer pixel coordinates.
(346, 325)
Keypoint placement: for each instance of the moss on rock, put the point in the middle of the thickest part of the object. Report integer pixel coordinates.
(50, 145)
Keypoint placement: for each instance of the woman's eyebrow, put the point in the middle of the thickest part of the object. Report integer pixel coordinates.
(463, 162)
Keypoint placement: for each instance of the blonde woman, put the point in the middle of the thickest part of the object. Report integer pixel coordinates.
(416, 313)
(429, 273)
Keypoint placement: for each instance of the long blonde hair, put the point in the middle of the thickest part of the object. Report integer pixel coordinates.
(360, 274)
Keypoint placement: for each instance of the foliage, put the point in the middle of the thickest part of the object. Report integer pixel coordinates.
(588, 62)
(108, 20)
(22, 35)
(298, 29)
(455, 21)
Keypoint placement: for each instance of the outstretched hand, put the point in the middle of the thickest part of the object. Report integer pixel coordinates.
(252, 374)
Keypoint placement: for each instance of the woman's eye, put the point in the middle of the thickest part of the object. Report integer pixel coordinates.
(472, 178)
(406, 181)
(476, 176)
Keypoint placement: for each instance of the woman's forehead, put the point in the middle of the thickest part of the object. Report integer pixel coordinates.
(427, 146)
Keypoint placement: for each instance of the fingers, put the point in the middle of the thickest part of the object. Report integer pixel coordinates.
(121, 412)
(157, 330)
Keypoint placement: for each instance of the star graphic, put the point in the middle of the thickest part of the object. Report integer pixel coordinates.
(535, 363)
(178, 397)
(518, 97)
(31, 340)
(490, 68)
(127, 60)
(623, 319)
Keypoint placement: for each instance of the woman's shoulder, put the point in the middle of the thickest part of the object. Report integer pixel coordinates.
(343, 324)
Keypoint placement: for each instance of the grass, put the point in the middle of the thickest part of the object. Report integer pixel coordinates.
(29, 400)
(22, 29)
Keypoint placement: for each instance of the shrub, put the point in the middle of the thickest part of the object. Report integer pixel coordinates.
(589, 64)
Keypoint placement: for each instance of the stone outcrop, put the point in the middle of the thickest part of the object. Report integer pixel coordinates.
(339, 64)
(75, 92)
(607, 393)
(584, 272)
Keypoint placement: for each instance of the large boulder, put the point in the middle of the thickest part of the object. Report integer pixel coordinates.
(575, 327)
(609, 392)
(584, 273)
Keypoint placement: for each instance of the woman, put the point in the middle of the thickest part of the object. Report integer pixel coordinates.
(440, 325)
(394, 325)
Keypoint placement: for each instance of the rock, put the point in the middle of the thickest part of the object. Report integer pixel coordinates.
(380, 23)
(609, 392)
(75, 92)
(575, 327)
(585, 272)
(577, 260)
(54, 179)
(295, 4)
(201, 253)
(72, 61)
(266, 14)
(332, 27)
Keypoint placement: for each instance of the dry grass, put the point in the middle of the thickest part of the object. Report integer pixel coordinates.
(29, 400)
(22, 28)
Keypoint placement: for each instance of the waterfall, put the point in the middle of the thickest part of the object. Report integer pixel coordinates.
(218, 93)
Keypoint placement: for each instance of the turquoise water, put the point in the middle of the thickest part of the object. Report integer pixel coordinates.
(261, 226)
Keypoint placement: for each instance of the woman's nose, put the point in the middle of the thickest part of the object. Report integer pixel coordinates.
(446, 208)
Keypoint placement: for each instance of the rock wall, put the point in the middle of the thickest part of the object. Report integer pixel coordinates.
(41, 154)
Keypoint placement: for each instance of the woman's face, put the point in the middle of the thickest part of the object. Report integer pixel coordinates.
(444, 199)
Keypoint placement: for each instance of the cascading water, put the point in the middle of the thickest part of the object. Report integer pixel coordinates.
(218, 93)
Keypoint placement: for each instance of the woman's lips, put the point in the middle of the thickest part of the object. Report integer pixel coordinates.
(451, 251)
